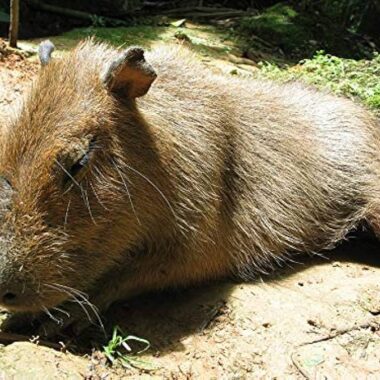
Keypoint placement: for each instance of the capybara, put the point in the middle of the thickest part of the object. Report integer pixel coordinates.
(124, 172)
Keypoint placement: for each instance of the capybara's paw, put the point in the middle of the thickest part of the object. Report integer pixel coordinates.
(21, 323)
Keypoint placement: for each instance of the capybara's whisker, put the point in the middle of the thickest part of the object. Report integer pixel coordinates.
(97, 197)
(66, 313)
(162, 195)
(68, 174)
(67, 213)
(51, 316)
(81, 299)
(124, 182)
(87, 203)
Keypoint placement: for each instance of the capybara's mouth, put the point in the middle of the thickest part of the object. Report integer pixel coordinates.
(30, 301)
(23, 308)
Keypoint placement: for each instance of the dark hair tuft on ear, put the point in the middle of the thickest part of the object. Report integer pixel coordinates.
(129, 74)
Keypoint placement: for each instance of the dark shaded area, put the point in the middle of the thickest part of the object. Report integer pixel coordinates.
(191, 309)
(298, 29)
(38, 24)
(168, 317)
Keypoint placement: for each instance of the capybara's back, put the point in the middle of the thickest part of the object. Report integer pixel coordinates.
(274, 168)
(115, 182)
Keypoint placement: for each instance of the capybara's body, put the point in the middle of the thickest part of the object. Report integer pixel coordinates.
(111, 190)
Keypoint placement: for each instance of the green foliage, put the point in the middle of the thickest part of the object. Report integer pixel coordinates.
(4, 16)
(355, 79)
(205, 39)
(118, 350)
(97, 21)
(302, 28)
(347, 13)
(279, 24)
(374, 100)
(133, 35)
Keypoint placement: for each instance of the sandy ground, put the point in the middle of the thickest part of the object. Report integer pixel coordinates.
(317, 319)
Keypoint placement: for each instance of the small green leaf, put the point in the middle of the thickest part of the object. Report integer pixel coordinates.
(118, 346)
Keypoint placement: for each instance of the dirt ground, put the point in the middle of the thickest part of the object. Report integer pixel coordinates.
(316, 319)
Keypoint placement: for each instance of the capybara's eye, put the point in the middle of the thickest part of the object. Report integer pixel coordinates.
(75, 166)
(79, 165)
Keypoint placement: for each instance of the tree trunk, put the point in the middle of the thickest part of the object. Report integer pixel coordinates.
(14, 22)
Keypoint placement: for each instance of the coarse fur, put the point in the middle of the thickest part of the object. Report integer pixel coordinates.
(203, 177)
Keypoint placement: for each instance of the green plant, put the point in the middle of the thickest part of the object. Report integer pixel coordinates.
(356, 79)
(119, 350)
(348, 13)
(280, 25)
(97, 21)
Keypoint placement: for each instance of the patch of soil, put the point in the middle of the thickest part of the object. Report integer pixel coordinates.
(16, 71)
(30, 361)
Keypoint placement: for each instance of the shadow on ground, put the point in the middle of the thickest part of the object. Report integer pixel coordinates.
(167, 318)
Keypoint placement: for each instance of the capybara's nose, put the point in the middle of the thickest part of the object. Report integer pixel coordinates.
(11, 295)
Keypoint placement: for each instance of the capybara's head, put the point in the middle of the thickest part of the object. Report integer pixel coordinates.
(63, 185)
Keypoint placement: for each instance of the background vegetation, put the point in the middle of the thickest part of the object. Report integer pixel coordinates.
(328, 43)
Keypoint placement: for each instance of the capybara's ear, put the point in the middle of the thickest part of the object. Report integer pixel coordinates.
(45, 49)
(130, 74)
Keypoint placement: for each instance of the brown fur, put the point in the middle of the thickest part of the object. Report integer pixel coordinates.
(205, 176)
